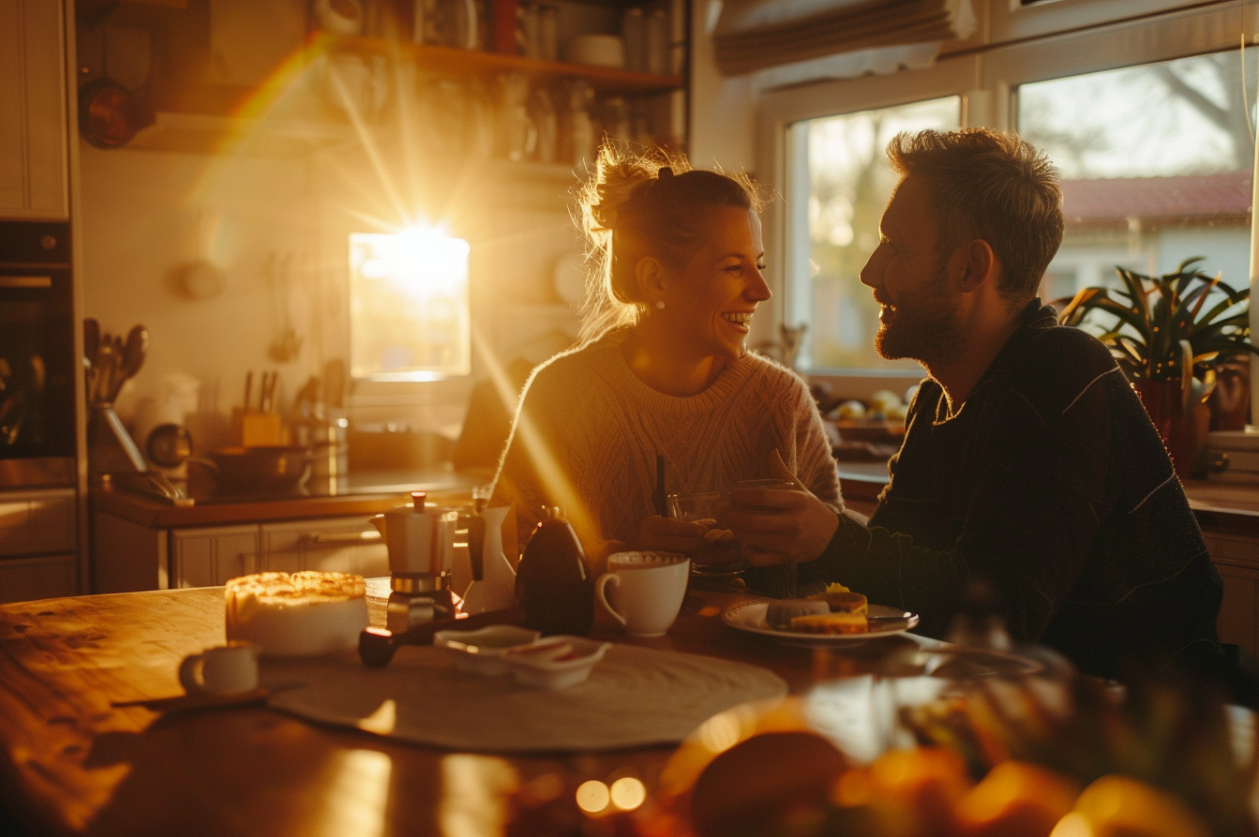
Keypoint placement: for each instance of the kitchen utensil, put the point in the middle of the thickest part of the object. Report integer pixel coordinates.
(130, 357)
(249, 385)
(109, 114)
(267, 469)
(552, 583)
(647, 592)
(421, 545)
(659, 499)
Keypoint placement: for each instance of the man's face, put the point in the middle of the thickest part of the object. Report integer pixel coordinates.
(919, 317)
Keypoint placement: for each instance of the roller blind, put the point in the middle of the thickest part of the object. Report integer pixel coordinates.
(753, 35)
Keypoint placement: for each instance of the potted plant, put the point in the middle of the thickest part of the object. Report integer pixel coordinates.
(1169, 333)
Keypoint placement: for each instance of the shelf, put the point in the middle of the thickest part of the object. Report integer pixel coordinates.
(226, 100)
(470, 62)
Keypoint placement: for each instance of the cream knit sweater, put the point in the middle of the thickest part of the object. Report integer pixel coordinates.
(587, 433)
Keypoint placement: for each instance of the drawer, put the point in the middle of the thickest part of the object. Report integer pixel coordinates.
(48, 577)
(212, 556)
(37, 522)
(339, 544)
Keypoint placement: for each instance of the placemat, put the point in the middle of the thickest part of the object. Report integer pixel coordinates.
(635, 697)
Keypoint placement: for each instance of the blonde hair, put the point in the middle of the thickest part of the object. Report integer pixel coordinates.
(639, 205)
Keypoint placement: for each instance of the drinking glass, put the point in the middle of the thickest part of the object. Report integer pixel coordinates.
(721, 556)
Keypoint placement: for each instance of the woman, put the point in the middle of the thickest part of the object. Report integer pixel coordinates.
(661, 368)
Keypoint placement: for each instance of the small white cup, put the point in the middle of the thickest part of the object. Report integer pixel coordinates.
(647, 592)
(221, 670)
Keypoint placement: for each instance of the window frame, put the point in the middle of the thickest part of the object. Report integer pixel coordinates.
(987, 80)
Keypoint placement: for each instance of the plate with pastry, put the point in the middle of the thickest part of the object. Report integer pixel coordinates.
(836, 617)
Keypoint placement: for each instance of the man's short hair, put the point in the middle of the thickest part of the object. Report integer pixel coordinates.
(992, 186)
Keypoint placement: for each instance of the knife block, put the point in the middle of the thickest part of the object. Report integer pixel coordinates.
(259, 429)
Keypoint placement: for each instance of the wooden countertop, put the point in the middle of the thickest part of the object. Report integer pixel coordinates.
(72, 760)
(375, 492)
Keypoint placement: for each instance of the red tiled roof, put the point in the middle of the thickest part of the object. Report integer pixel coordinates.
(1183, 196)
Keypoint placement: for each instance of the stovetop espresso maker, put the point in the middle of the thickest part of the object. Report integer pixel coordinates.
(421, 545)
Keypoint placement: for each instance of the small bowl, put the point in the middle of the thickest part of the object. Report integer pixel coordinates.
(481, 651)
(556, 662)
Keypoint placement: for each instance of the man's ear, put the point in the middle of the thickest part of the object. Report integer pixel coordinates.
(652, 279)
(975, 264)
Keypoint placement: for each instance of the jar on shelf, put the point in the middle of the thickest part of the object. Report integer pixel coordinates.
(577, 129)
(517, 134)
(634, 31)
(546, 122)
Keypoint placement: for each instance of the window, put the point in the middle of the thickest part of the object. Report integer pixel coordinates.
(846, 181)
(1156, 163)
(409, 315)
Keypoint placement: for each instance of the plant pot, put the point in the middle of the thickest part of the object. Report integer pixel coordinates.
(1184, 433)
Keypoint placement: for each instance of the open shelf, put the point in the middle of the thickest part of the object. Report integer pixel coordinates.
(225, 100)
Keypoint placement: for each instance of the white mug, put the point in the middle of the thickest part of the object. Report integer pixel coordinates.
(222, 669)
(647, 591)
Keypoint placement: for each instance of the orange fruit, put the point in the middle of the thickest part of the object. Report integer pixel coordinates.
(1015, 799)
(1120, 806)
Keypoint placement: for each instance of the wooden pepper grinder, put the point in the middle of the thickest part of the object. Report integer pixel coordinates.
(552, 583)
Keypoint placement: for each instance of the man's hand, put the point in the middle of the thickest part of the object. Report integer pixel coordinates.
(668, 535)
(780, 526)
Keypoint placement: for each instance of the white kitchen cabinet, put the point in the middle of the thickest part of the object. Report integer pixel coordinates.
(33, 113)
(211, 556)
(346, 545)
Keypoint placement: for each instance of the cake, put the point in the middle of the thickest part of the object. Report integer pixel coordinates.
(842, 600)
(831, 623)
(779, 614)
(297, 614)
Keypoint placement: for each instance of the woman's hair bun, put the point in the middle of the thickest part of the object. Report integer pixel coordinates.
(665, 173)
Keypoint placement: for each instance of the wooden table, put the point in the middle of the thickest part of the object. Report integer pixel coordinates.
(74, 762)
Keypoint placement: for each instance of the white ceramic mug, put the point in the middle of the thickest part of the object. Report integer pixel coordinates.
(647, 590)
(222, 669)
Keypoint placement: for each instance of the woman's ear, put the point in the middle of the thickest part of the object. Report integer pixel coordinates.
(976, 263)
(652, 279)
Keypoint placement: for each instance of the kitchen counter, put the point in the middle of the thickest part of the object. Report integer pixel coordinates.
(367, 493)
(1217, 504)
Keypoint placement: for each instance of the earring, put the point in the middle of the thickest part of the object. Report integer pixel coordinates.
(659, 304)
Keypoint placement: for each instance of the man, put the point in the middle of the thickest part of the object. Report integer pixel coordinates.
(1028, 461)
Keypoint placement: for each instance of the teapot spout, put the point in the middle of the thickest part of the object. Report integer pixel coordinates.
(379, 522)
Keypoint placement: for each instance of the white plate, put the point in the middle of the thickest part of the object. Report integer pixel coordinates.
(750, 617)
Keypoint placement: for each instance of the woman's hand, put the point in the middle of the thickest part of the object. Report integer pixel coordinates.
(668, 535)
(779, 526)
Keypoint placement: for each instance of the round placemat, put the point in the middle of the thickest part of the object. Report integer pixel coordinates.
(635, 697)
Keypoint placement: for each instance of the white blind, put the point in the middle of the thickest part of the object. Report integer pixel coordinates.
(752, 35)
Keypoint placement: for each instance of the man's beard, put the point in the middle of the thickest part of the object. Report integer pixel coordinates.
(924, 328)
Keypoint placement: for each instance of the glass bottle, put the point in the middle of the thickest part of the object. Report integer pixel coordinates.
(552, 582)
(516, 129)
(542, 110)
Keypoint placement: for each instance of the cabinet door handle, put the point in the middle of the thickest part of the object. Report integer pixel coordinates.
(25, 281)
(340, 538)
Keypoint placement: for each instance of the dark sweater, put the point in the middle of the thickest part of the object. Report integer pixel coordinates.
(1051, 484)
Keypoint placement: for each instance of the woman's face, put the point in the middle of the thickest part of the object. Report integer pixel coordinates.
(709, 302)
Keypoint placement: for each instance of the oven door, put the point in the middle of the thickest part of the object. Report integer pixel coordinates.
(37, 368)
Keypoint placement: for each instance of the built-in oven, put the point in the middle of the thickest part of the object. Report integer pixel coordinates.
(38, 372)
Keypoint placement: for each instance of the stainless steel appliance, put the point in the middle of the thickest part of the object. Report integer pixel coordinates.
(38, 371)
